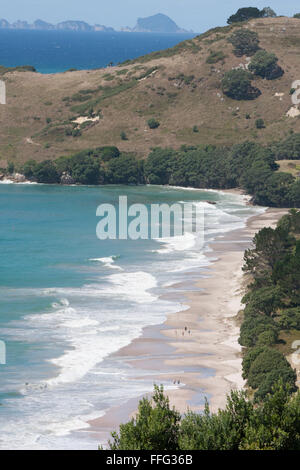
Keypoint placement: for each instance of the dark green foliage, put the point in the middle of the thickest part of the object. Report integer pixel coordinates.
(159, 166)
(249, 357)
(265, 65)
(252, 326)
(272, 304)
(297, 15)
(155, 427)
(45, 172)
(123, 170)
(153, 123)
(245, 42)
(215, 56)
(123, 136)
(271, 425)
(245, 14)
(29, 168)
(237, 85)
(268, 367)
(10, 168)
(260, 123)
(288, 149)
(289, 319)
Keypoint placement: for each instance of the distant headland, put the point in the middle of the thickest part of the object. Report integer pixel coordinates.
(153, 24)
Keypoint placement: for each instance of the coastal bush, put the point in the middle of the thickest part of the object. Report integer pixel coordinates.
(124, 169)
(265, 300)
(155, 426)
(159, 165)
(245, 42)
(249, 357)
(265, 65)
(245, 14)
(268, 367)
(243, 425)
(253, 326)
(45, 172)
(289, 319)
(287, 149)
(236, 84)
(29, 169)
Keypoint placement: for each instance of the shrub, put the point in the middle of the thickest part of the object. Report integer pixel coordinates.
(153, 123)
(237, 85)
(123, 136)
(297, 15)
(195, 129)
(245, 42)
(265, 65)
(260, 123)
(215, 56)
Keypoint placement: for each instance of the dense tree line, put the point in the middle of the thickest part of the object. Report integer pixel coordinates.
(249, 165)
(272, 304)
(273, 424)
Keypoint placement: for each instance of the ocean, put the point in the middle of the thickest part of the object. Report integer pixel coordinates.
(70, 300)
(58, 51)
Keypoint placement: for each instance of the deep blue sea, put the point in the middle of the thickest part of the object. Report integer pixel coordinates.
(68, 300)
(57, 51)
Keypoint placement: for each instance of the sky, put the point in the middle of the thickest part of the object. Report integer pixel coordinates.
(198, 15)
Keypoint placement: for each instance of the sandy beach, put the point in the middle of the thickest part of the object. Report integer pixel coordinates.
(196, 350)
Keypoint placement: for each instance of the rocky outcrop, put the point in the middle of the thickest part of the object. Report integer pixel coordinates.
(66, 178)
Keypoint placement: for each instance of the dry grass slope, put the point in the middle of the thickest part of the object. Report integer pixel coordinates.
(177, 86)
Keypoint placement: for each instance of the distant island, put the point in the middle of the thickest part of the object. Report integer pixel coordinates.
(153, 24)
(156, 24)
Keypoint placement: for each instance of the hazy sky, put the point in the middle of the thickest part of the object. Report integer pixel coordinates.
(198, 15)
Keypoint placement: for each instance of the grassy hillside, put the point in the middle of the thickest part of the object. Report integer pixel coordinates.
(178, 87)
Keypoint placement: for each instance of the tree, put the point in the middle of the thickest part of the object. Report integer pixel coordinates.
(297, 15)
(155, 426)
(265, 65)
(245, 14)
(245, 42)
(268, 12)
(237, 85)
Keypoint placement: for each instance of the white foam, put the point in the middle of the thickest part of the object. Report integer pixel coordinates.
(108, 262)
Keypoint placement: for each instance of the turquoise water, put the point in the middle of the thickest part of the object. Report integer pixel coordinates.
(57, 51)
(69, 300)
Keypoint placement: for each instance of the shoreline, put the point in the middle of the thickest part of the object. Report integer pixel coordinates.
(198, 346)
